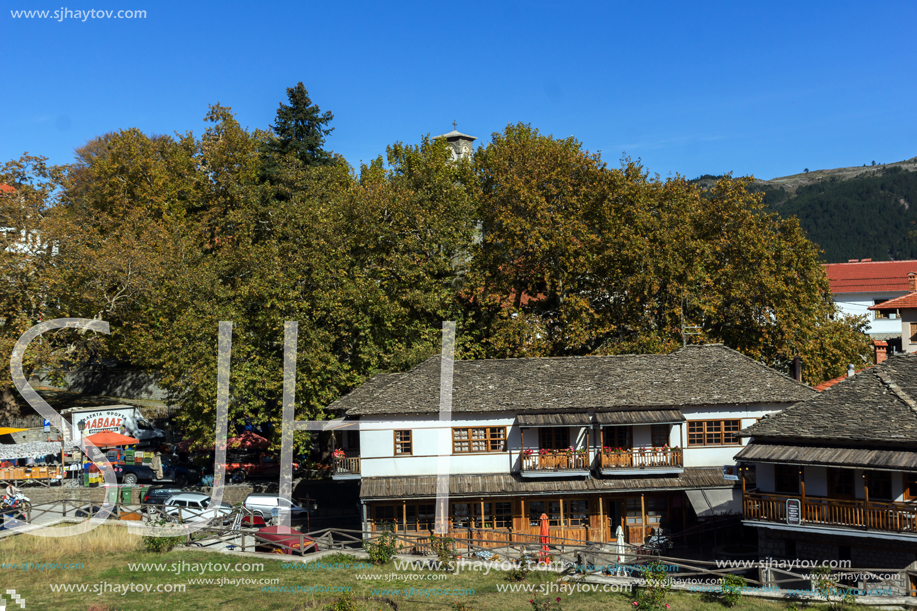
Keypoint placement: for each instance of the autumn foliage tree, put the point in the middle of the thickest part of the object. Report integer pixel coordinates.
(536, 247)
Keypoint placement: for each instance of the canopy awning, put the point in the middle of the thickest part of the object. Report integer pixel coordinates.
(644, 416)
(107, 439)
(562, 419)
(715, 502)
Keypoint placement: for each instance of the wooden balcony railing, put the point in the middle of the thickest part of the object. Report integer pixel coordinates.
(882, 515)
(643, 458)
(557, 461)
(349, 464)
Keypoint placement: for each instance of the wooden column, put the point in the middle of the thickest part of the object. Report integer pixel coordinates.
(802, 490)
(562, 529)
(601, 522)
(404, 516)
(643, 518)
(742, 474)
(483, 517)
(865, 499)
(681, 433)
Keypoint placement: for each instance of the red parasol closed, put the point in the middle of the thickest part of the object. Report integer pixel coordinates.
(284, 535)
(545, 536)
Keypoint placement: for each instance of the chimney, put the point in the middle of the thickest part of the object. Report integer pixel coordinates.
(881, 350)
(912, 281)
(797, 369)
(850, 370)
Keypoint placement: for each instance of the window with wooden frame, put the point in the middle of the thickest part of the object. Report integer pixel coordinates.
(786, 479)
(914, 331)
(576, 512)
(880, 485)
(910, 486)
(496, 515)
(634, 511)
(554, 513)
(619, 437)
(536, 508)
(553, 438)
(484, 439)
(384, 515)
(841, 483)
(657, 508)
(461, 515)
(403, 443)
(660, 434)
(713, 432)
(879, 313)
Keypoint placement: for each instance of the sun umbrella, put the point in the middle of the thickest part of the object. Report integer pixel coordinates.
(545, 532)
(107, 439)
(7, 430)
(620, 548)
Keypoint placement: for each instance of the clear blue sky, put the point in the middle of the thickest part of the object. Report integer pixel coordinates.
(691, 88)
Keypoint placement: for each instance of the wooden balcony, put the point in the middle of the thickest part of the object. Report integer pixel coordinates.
(554, 463)
(663, 460)
(347, 466)
(820, 511)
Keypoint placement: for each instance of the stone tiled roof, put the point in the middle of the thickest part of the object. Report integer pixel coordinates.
(874, 406)
(512, 484)
(695, 375)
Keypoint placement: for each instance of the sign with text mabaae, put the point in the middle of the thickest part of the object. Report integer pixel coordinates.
(793, 512)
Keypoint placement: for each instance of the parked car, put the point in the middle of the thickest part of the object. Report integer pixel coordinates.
(195, 507)
(261, 504)
(244, 466)
(173, 471)
(158, 496)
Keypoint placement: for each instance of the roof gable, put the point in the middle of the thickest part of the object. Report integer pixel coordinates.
(875, 405)
(870, 276)
(694, 375)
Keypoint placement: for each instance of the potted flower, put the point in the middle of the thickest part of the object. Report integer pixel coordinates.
(526, 453)
(339, 453)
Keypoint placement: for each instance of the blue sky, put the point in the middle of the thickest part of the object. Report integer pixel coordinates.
(689, 88)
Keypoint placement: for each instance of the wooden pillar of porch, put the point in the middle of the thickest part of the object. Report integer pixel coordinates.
(601, 522)
(643, 518)
(562, 529)
(865, 499)
(802, 490)
(522, 450)
(404, 516)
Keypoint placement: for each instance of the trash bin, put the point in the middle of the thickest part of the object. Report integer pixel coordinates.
(126, 494)
(143, 492)
(86, 480)
(112, 494)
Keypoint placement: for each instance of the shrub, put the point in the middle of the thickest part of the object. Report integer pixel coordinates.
(836, 596)
(384, 548)
(461, 606)
(731, 589)
(442, 547)
(657, 583)
(519, 573)
(161, 545)
(344, 603)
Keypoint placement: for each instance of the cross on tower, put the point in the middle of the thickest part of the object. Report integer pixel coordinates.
(454, 125)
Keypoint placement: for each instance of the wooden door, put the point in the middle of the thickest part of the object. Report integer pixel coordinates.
(841, 484)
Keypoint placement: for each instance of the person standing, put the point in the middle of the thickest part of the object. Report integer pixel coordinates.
(156, 465)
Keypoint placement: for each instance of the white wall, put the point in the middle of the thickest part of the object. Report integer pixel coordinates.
(718, 456)
(856, 304)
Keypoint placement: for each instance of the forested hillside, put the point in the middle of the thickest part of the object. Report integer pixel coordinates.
(869, 215)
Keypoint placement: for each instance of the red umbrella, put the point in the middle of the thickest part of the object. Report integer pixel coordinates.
(108, 439)
(545, 535)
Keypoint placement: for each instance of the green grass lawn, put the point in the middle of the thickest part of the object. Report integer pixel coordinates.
(105, 559)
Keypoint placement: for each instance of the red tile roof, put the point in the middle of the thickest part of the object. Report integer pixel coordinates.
(829, 383)
(870, 276)
(7, 189)
(898, 303)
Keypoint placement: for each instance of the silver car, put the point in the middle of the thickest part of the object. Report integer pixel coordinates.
(195, 507)
(262, 504)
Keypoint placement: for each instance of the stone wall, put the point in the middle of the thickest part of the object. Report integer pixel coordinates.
(863, 552)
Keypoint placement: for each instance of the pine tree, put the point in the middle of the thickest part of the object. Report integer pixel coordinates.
(299, 129)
